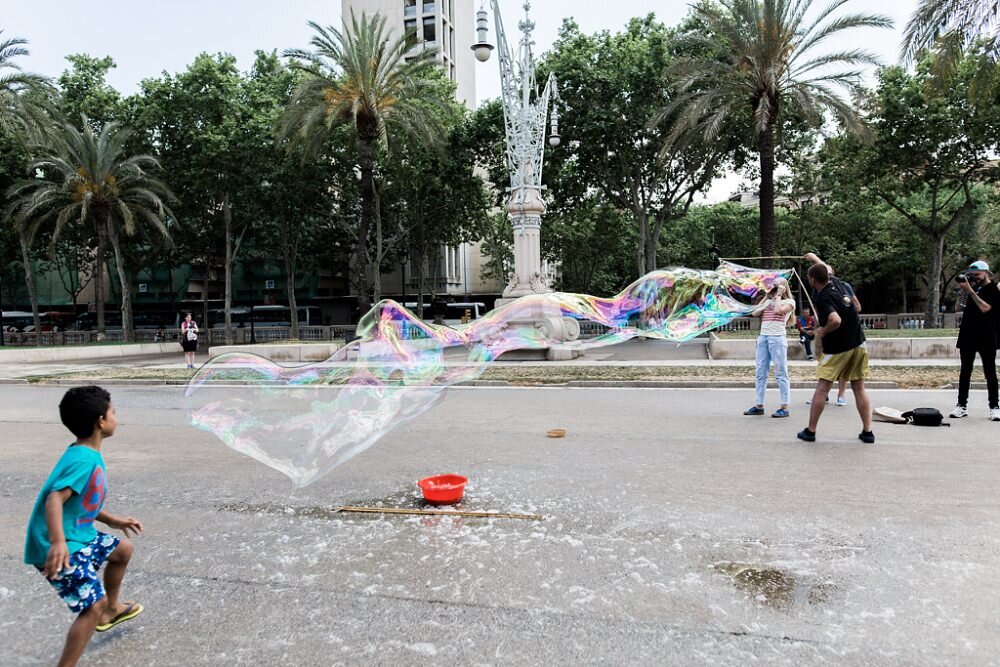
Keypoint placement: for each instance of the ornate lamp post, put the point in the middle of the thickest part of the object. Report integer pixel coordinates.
(525, 112)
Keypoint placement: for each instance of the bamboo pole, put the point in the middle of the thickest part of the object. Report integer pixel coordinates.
(743, 259)
(403, 510)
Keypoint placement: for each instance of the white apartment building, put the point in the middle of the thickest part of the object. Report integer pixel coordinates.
(448, 26)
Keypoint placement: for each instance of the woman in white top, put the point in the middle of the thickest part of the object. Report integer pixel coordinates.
(772, 345)
(189, 339)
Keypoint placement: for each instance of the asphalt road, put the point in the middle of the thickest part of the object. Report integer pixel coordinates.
(676, 531)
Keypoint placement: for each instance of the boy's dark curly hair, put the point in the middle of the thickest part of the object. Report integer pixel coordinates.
(81, 407)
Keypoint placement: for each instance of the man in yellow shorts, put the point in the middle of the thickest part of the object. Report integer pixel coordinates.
(845, 356)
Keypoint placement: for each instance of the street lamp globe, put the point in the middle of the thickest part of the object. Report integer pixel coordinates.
(554, 140)
(482, 51)
(482, 48)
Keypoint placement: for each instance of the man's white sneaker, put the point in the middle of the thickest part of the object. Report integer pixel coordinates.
(959, 411)
(995, 415)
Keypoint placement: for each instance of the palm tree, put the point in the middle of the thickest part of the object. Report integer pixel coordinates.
(950, 28)
(23, 95)
(88, 178)
(25, 236)
(759, 56)
(364, 79)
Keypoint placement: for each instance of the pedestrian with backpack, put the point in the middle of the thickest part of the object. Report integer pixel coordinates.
(979, 303)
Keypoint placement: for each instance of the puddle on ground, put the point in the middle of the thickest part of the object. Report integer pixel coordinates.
(773, 587)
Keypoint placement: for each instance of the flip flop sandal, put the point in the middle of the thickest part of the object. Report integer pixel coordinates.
(133, 610)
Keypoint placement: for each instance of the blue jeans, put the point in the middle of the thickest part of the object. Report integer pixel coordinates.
(772, 350)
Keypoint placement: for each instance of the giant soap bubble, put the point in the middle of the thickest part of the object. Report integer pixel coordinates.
(305, 421)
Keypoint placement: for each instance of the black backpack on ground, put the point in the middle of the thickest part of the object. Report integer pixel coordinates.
(925, 417)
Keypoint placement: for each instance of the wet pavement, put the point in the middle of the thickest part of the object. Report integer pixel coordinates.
(676, 531)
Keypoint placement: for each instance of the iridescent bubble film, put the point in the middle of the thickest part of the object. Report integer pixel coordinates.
(305, 421)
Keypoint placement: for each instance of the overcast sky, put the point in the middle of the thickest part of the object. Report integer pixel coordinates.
(148, 37)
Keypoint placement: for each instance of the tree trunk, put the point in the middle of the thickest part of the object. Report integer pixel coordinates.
(367, 212)
(29, 279)
(377, 269)
(902, 278)
(768, 233)
(640, 254)
(293, 304)
(100, 261)
(126, 293)
(651, 242)
(421, 282)
(932, 305)
(227, 216)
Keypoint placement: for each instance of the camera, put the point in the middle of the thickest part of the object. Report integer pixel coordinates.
(966, 278)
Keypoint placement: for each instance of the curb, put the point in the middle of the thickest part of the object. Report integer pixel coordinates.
(593, 384)
(656, 384)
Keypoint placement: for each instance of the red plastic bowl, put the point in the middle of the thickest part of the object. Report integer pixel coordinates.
(443, 489)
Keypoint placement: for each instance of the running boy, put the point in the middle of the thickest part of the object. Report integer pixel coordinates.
(62, 542)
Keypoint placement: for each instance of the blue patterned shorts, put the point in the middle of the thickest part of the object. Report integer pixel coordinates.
(79, 586)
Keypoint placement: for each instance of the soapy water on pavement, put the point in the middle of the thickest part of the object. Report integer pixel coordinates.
(305, 421)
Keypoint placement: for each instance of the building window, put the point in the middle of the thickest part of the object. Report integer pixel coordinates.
(410, 27)
(429, 7)
(409, 7)
(430, 29)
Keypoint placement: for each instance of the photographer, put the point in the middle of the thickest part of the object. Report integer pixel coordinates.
(979, 302)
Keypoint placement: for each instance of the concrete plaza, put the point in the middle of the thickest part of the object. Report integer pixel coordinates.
(676, 531)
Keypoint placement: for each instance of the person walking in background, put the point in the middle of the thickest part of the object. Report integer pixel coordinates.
(980, 306)
(189, 339)
(806, 325)
(846, 286)
(772, 345)
(844, 354)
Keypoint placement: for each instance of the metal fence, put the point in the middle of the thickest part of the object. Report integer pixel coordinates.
(240, 336)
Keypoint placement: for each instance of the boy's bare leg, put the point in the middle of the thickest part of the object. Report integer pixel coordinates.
(842, 388)
(864, 405)
(114, 572)
(818, 402)
(80, 632)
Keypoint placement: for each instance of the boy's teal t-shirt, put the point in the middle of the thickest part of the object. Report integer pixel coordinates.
(81, 469)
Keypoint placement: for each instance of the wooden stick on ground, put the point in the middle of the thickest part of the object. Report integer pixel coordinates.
(403, 510)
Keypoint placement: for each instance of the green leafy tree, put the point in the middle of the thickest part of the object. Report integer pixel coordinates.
(431, 195)
(770, 64)
(593, 242)
(205, 123)
(86, 178)
(363, 78)
(611, 85)
(84, 91)
(931, 148)
(293, 201)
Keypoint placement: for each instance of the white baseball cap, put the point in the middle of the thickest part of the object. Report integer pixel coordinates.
(980, 266)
